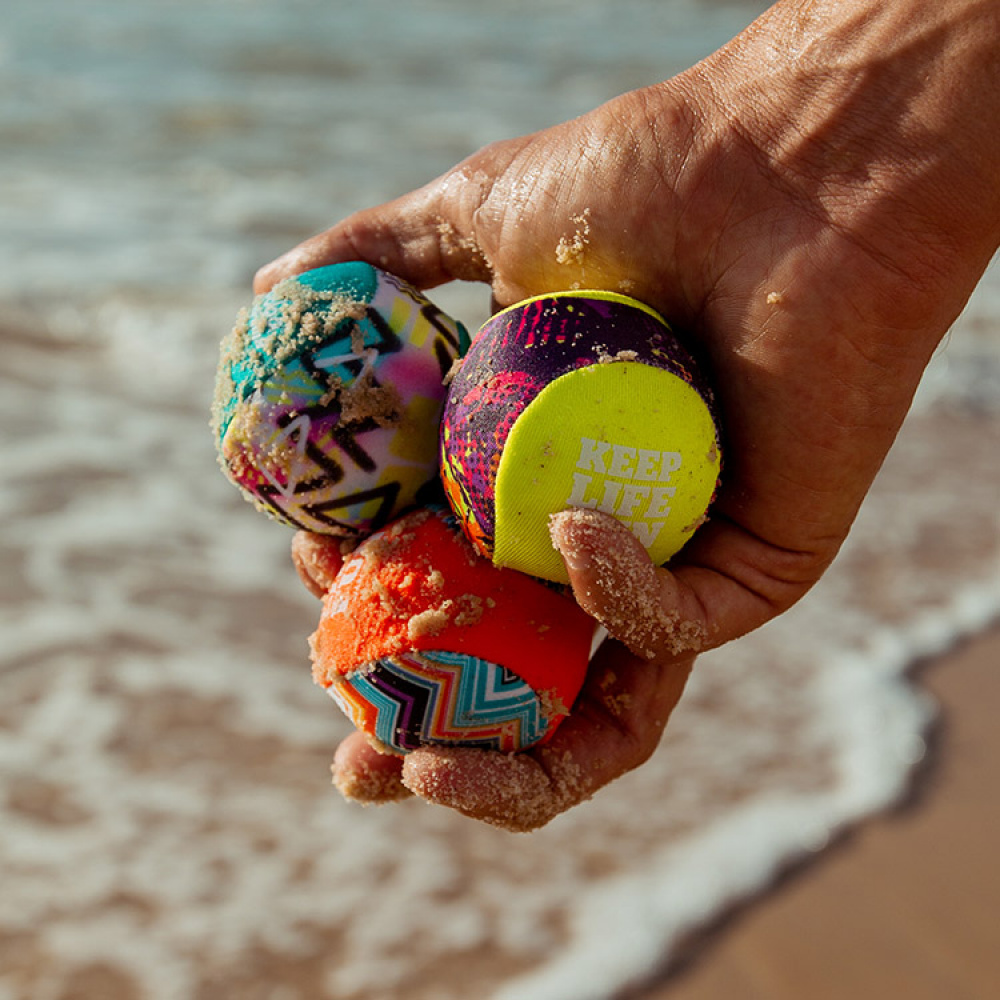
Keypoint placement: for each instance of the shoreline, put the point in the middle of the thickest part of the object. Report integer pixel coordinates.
(900, 904)
(237, 727)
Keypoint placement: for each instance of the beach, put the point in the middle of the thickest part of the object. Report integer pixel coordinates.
(819, 816)
(903, 905)
(169, 827)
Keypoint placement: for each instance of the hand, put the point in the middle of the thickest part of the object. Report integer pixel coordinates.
(813, 203)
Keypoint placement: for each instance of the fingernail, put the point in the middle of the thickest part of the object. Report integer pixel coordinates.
(269, 275)
(317, 561)
(561, 532)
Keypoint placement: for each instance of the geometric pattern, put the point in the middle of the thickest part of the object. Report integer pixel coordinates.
(326, 417)
(441, 698)
(472, 445)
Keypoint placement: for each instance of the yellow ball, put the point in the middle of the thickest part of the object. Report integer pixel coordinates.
(578, 400)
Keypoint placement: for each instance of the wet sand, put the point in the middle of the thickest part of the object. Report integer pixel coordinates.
(904, 906)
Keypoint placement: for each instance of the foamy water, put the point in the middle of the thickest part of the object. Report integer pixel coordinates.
(169, 831)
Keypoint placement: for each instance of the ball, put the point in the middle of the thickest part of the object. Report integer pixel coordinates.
(577, 400)
(328, 397)
(422, 642)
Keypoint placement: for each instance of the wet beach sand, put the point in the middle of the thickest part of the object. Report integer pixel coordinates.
(903, 905)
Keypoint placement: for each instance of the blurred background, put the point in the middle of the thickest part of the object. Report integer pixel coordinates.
(168, 831)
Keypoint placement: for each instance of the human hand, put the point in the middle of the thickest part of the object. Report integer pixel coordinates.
(813, 204)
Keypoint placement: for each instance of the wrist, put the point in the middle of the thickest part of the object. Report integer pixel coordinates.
(900, 93)
(878, 120)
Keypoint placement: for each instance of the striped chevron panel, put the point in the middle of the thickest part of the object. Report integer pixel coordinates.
(440, 698)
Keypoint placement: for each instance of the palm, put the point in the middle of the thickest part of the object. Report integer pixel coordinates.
(803, 310)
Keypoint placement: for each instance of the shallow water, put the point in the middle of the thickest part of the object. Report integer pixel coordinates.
(169, 832)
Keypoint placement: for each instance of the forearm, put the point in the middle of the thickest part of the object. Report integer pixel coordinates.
(882, 116)
(901, 74)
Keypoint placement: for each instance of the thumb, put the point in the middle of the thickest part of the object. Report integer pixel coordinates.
(427, 237)
(614, 580)
(728, 583)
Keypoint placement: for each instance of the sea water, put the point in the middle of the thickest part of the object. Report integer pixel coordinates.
(168, 829)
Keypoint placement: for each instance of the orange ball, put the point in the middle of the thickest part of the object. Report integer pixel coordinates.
(423, 642)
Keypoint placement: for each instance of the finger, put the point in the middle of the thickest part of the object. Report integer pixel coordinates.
(614, 580)
(317, 560)
(614, 727)
(363, 774)
(725, 583)
(427, 237)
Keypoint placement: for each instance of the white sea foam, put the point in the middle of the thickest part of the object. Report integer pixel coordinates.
(162, 751)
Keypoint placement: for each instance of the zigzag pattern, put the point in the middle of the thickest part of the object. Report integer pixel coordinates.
(293, 450)
(442, 698)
